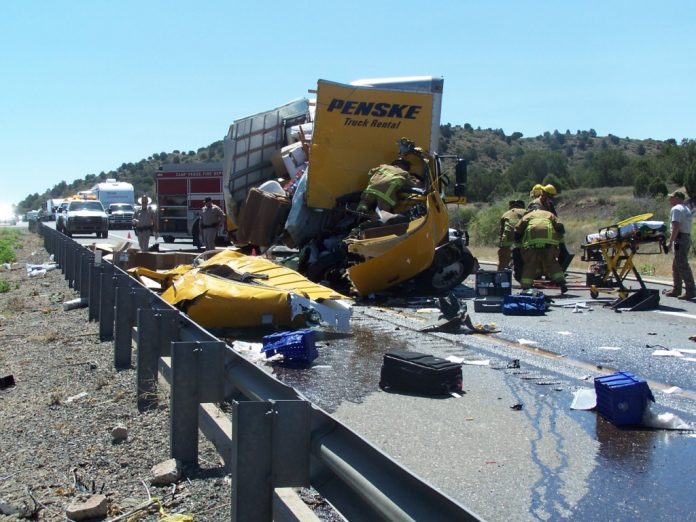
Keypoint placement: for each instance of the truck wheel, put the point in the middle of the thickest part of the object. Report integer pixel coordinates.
(105, 234)
(168, 239)
(447, 272)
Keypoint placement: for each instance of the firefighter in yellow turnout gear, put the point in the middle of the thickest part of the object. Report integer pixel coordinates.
(508, 222)
(540, 232)
(384, 184)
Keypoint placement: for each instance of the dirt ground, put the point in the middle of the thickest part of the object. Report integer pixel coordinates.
(56, 422)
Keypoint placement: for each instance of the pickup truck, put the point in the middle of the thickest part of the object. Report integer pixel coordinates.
(83, 217)
(120, 215)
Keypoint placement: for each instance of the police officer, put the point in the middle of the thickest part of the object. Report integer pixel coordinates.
(540, 233)
(384, 184)
(212, 217)
(508, 222)
(145, 223)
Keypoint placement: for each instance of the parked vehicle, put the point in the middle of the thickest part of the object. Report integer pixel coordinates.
(112, 191)
(84, 217)
(50, 209)
(181, 189)
(120, 215)
(354, 128)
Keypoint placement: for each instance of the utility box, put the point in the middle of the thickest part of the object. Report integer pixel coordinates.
(622, 398)
(493, 283)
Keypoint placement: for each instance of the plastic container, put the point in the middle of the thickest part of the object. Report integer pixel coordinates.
(298, 346)
(622, 398)
(493, 283)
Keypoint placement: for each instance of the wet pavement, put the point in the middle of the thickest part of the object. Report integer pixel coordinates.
(543, 462)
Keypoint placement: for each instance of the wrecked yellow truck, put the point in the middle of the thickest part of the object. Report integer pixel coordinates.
(294, 176)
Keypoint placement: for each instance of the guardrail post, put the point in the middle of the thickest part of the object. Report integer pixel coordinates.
(83, 277)
(94, 293)
(157, 329)
(123, 338)
(106, 302)
(197, 377)
(64, 255)
(270, 449)
(68, 262)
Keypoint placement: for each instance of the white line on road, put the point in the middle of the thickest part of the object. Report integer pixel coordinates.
(677, 314)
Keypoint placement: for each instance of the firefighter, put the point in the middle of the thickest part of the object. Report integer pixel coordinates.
(508, 221)
(384, 184)
(212, 217)
(145, 223)
(540, 232)
(543, 198)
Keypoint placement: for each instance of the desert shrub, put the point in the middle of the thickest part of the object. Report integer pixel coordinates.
(4, 286)
(659, 207)
(484, 229)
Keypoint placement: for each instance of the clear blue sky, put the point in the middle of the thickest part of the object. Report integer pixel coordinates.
(89, 85)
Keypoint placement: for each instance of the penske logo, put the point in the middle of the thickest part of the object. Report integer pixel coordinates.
(356, 112)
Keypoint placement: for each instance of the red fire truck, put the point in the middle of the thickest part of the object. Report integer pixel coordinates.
(181, 189)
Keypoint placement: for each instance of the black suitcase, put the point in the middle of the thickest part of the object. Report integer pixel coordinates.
(419, 373)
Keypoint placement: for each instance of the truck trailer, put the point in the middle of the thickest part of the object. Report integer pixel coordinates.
(180, 192)
(348, 130)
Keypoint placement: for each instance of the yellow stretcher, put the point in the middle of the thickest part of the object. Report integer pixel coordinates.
(611, 252)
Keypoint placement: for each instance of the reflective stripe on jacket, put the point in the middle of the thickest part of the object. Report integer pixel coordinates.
(385, 181)
(538, 229)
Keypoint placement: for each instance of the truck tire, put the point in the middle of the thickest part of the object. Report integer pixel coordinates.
(168, 239)
(451, 266)
(105, 234)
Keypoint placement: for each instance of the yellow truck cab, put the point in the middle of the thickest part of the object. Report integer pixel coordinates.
(347, 131)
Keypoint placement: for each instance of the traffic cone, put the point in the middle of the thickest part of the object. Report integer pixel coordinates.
(253, 251)
(128, 235)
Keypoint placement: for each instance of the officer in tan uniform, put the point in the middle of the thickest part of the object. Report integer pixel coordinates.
(212, 217)
(145, 223)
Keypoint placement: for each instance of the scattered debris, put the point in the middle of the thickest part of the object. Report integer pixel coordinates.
(80, 302)
(7, 382)
(584, 399)
(93, 507)
(119, 433)
(609, 348)
(526, 341)
(667, 353)
(166, 472)
(461, 360)
(664, 421)
(564, 332)
(514, 364)
(517, 407)
(673, 389)
(77, 397)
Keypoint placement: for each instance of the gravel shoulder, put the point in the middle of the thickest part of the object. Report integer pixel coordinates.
(56, 422)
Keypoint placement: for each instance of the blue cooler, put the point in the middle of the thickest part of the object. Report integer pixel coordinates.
(622, 398)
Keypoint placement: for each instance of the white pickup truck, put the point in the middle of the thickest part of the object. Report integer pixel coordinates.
(83, 217)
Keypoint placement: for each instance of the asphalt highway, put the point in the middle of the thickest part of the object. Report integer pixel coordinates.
(510, 447)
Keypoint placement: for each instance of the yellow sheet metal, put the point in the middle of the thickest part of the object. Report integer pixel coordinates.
(356, 129)
(393, 259)
(213, 296)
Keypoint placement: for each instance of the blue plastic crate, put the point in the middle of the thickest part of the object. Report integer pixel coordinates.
(622, 398)
(298, 346)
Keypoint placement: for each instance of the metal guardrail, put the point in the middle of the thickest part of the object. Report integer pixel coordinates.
(276, 438)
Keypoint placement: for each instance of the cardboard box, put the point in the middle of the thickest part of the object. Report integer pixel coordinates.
(159, 260)
(278, 165)
(261, 217)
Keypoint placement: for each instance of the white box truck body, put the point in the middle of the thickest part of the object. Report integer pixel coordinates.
(112, 191)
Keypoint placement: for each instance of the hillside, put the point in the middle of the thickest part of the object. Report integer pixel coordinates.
(499, 164)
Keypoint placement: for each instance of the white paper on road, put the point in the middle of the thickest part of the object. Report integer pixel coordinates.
(667, 353)
(687, 350)
(664, 421)
(584, 399)
(612, 348)
(526, 341)
(673, 389)
(564, 333)
(461, 360)
(428, 310)
(692, 359)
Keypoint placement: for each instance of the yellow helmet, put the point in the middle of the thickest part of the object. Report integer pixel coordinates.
(550, 190)
(536, 190)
